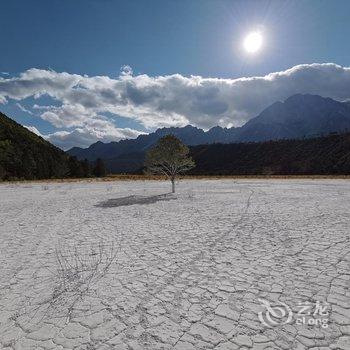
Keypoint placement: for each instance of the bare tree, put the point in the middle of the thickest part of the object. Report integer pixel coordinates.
(170, 158)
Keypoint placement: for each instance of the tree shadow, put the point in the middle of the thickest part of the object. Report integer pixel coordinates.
(134, 199)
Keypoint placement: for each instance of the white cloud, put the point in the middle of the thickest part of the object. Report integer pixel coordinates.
(85, 136)
(126, 70)
(33, 129)
(2, 100)
(93, 130)
(68, 115)
(171, 100)
(23, 109)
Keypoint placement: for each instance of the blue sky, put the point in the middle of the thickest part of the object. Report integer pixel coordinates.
(165, 43)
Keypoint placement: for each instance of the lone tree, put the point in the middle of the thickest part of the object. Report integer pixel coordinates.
(169, 157)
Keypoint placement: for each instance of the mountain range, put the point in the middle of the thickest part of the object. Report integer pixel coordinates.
(298, 116)
(293, 125)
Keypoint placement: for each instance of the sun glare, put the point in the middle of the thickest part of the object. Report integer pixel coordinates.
(252, 42)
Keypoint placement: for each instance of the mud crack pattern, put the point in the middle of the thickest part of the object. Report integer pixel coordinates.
(185, 273)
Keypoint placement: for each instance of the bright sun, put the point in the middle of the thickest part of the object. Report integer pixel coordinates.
(252, 42)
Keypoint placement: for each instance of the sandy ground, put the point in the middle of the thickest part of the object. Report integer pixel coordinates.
(193, 271)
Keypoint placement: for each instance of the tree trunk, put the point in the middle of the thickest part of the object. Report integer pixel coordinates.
(173, 185)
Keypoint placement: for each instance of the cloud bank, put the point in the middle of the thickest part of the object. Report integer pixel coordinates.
(82, 102)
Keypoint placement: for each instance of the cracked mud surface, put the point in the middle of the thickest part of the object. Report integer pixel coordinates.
(179, 274)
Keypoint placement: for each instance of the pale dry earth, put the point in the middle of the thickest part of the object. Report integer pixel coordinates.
(184, 273)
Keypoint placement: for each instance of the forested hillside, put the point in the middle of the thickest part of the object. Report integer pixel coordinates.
(329, 155)
(24, 155)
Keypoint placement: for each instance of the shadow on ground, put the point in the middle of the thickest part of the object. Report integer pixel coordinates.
(131, 200)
